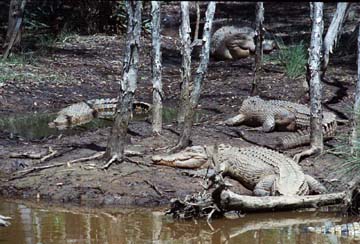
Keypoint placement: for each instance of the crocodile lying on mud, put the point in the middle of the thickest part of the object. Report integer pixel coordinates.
(230, 42)
(264, 171)
(282, 115)
(344, 230)
(83, 112)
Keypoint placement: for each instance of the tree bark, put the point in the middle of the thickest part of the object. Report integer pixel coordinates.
(259, 47)
(186, 49)
(232, 201)
(13, 35)
(118, 135)
(356, 114)
(333, 33)
(196, 34)
(156, 68)
(200, 73)
(316, 133)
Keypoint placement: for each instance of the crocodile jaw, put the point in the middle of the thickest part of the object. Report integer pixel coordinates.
(191, 157)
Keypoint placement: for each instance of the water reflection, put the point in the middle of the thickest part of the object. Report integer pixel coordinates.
(109, 226)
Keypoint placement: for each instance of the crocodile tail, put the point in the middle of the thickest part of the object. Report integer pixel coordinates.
(301, 137)
(104, 107)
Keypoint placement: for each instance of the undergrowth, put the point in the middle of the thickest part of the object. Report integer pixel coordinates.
(348, 168)
(292, 57)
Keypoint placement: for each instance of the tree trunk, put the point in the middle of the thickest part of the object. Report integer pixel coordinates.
(117, 138)
(316, 133)
(356, 115)
(156, 67)
(196, 34)
(200, 73)
(333, 33)
(186, 49)
(13, 35)
(259, 47)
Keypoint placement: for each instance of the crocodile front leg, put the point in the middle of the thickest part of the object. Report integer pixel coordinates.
(315, 186)
(264, 186)
(236, 120)
(269, 124)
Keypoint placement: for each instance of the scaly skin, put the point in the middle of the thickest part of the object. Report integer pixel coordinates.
(282, 114)
(230, 42)
(83, 112)
(264, 171)
(345, 230)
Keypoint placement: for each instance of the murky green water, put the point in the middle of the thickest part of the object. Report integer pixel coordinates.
(35, 126)
(109, 226)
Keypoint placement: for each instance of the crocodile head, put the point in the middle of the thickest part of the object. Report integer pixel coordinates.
(75, 114)
(240, 45)
(191, 157)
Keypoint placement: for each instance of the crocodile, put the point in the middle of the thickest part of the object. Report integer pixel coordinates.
(262, 170)
(85, 111)
(343, 230)
(230, 42)
(282, 115)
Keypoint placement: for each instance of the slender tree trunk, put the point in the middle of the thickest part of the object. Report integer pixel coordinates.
(200, 73)
(186, 49)
(156, 67)
(333, 32)
(316, 134)
(354, 141)
(13, 35)
(259, 47)
(196, 34)
(117, 138)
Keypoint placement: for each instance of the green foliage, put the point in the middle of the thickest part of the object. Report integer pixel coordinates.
(293, 58)
(120, 15)
(349, 165)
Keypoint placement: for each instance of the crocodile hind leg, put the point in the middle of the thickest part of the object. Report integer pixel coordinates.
(264, 186)
(315, 186)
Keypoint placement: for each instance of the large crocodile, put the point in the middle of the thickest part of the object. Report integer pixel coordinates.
(231, 42)
(344, 230)
(278, 114)
(264, 171)
(83, 112)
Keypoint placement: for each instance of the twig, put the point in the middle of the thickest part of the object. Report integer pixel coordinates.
(28, 171)
(95, 156)
(154, 187)
(109, 163)
(50, 155)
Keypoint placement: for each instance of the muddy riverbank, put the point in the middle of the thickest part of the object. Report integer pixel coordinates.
(88, 67)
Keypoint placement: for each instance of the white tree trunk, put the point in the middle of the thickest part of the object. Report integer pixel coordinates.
(186, 49)
(315, 84)
(196, 34)
(259, 47)
(156, 67)
(333, 32)
(356, 116)
(200, 73)
(118, 134)
(316, 134)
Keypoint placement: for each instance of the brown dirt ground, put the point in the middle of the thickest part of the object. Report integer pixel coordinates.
(87, 67)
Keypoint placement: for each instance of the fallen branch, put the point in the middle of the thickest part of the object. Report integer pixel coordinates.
(34, 169)
(92, 157)
(233, 201)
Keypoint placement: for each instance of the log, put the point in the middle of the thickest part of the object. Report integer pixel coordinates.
(233, 201)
